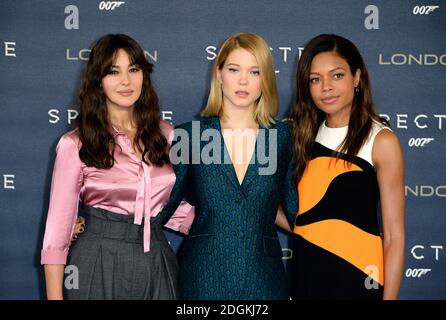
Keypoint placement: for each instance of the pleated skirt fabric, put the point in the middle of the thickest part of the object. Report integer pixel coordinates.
(112, 265)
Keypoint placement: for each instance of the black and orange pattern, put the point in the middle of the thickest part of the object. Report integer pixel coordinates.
(338, 250)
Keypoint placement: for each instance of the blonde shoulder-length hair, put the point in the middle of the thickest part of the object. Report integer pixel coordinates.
(267, 105)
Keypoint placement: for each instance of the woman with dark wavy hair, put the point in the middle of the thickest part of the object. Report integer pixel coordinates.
(116, 163)
(347, 159)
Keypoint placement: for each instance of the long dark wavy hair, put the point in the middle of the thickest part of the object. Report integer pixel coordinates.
(98, 144)
(306, 117)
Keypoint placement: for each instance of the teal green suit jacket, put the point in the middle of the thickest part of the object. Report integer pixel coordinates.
(232, 250)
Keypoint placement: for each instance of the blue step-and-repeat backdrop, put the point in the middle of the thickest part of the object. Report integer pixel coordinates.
(44, 46)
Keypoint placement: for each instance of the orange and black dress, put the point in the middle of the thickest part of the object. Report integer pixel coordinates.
(338, 251)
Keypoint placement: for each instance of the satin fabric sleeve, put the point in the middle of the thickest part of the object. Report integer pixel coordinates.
(64, 200)
(182, 219)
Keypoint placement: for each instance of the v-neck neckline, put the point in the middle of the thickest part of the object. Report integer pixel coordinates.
(226, 153)
(127, 141)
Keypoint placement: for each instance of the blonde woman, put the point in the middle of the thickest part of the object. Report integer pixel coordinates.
(233, 165)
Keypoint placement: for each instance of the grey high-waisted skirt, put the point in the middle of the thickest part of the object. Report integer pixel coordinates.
(111, 262)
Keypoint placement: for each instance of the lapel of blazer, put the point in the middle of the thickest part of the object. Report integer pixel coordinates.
(253, 168)
(226, 168)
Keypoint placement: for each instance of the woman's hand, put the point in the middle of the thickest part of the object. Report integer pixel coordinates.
(79, 228)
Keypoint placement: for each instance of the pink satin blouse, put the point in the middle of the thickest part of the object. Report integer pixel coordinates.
(129, 187)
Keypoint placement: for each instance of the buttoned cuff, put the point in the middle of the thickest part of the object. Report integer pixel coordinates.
(182, 219)
(54, 256)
